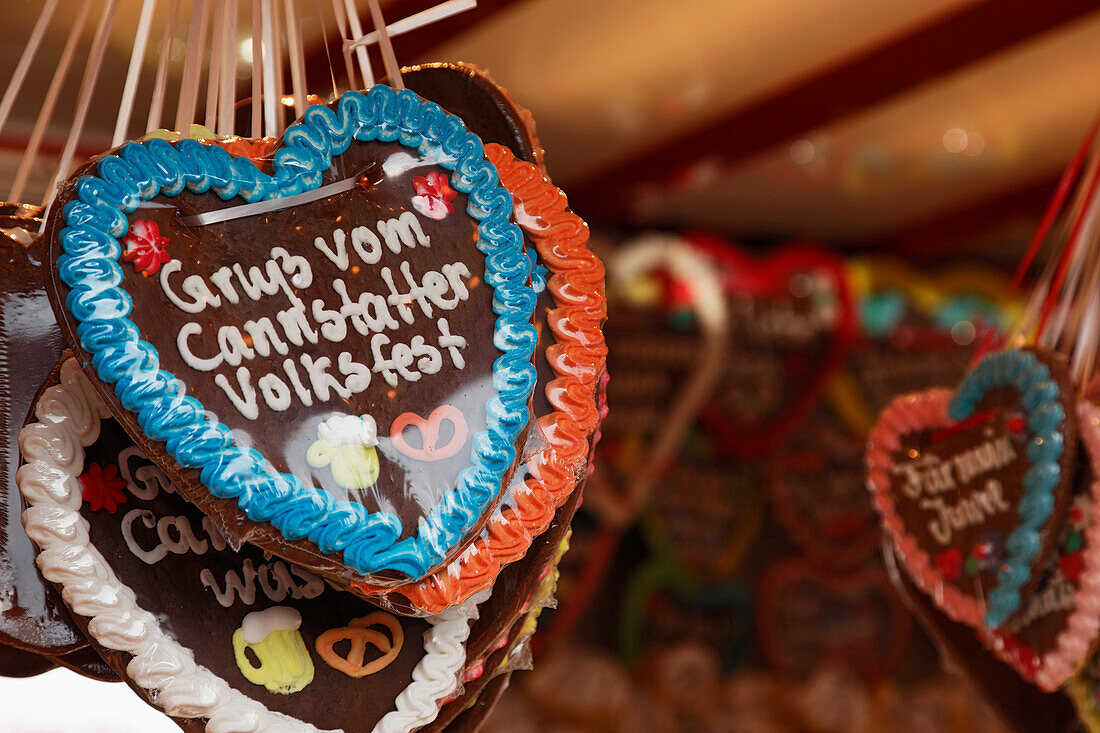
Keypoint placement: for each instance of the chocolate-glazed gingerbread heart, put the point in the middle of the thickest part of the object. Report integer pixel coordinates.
(791, 325)
(972, 485)
(237, 638)
(301, 333)
(32, 616)
(818, 493)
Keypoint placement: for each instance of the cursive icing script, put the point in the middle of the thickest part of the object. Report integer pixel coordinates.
(175, 535)
(299, 322)
(928, 478)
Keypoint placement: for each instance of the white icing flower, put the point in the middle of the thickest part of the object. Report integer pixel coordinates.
(349, 430)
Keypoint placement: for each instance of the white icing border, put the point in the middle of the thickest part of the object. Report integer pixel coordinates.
(68, 420)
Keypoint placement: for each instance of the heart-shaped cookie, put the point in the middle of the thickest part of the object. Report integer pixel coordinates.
(1053, 635)
(807, 618)
(258, 334)
(791, 324)
(972, 485)
(203, 632)
(818, 493)
(570, 359)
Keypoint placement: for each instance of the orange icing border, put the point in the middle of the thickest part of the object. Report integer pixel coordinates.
(578, 357)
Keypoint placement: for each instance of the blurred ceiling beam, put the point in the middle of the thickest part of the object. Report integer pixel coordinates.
(409, 47)
(872, 76)
(966, 228)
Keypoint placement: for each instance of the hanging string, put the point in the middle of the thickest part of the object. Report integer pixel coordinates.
(156, 105)
(415, 21)
(129, 88)
(21, 68)
(280, 79)
(361, 53)
(1075, 233)
(229, 71)
(389, 60)
(257, 68)
(342, 26)
(192, 68)
(271, 125)
(213, 76)
(324, 43)
(297, 58)
(1050, 215)
(84, 100)
(30, 154)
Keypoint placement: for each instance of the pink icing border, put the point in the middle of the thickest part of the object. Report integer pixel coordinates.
(906, 414)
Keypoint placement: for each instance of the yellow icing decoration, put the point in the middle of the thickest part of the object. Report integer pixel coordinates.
(198, 132)
(353, 466)
(285, 664)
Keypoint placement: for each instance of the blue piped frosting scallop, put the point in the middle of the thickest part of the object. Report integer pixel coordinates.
(1040, 397)
(90, 267)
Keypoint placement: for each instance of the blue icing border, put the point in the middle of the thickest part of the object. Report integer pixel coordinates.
(89, 266)
(1039, 396)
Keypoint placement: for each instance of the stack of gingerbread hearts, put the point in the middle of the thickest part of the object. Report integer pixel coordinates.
(987, 489)
(329, 403)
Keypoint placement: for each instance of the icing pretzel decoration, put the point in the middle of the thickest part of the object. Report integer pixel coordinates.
(429, 433)
(359, 633)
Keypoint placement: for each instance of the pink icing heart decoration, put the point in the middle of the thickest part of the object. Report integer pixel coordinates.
(429, 433)
(1061, 620)
(972, 485)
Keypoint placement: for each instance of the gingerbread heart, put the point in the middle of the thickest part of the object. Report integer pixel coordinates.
(972, 485)
(258, 334)
(239, 639)
(791, 324)
(807, 618)
(1053, 635)
(818, 494)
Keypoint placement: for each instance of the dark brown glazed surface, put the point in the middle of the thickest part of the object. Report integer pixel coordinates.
(488, 110)
(88, 663)
(284, 437)
(18, 663)
(991, 496)
(32, 615)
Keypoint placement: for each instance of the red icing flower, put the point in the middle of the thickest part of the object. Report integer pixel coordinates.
(434, 196)
(145, 247)
(950, 563)
(102, 487)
